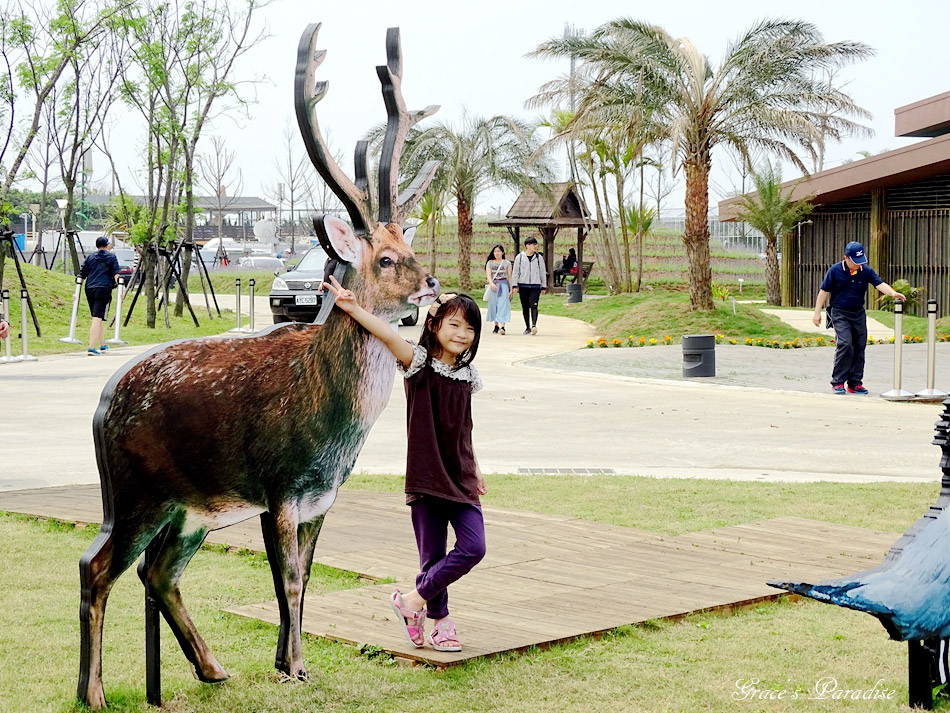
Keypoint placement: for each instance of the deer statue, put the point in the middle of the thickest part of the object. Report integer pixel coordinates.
(198, 434)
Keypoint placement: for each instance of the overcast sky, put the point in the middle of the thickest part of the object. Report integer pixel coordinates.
(471, 56)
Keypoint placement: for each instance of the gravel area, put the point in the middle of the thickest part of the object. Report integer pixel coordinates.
(807, 369)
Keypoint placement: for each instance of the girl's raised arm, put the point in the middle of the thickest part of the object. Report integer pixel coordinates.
(346, 301)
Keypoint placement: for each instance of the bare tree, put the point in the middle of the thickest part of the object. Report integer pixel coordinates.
(296, 179)
(220, 178)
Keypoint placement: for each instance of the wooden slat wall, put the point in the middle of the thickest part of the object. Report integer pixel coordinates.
(918, 242)
(822, 244)
(920, 253)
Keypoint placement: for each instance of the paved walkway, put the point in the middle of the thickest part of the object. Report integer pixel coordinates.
(800, 319)
(568, 411)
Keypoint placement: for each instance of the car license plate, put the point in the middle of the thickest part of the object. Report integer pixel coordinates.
(305, 299)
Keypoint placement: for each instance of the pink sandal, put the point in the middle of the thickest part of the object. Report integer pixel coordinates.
(444, 638)
(412, 621)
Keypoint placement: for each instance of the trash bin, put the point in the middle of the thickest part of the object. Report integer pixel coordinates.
(699, 355)
(575, 293)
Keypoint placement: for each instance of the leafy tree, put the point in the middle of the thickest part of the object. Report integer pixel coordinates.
(773, 213)
(475, 156)
(639, 220)
(768, 92)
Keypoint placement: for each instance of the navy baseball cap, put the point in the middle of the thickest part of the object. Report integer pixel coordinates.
(855, 252)
(102, 242)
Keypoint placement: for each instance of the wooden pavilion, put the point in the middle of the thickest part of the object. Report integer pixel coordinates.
(562, 207)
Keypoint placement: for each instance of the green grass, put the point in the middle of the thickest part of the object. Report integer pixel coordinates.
(688, 665)
(223, 283)
(663, 312)
(52, 295)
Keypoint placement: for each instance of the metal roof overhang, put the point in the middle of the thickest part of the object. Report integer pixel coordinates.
(916, 162)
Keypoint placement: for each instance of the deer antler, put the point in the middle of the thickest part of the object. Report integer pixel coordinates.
(358, 197)
(357, 200)
(393, 205)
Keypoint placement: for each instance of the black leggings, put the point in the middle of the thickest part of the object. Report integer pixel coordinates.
(529, 294)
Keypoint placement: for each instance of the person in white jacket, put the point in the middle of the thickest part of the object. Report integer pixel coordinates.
(530, 279)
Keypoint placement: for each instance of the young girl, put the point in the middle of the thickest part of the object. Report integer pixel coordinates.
(498, 271)
(443, 480)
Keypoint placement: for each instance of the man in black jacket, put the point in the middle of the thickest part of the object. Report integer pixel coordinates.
(101, 273)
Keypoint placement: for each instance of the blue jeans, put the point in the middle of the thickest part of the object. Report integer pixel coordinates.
(430, 520)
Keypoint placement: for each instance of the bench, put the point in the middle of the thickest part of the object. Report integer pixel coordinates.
(586, 267)
(917, 617)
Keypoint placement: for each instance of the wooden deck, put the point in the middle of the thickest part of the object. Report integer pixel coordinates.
(546, 578)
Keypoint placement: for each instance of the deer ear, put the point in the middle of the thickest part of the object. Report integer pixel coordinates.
(408, 235)
(342, 238)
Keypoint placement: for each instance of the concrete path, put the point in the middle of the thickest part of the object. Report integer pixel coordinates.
(800, 319)
(547, 416)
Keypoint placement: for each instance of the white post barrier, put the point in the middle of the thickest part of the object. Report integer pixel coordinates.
(24, 326)
(251, 282)
(897, 393)
(71, 339)
(930, 393)
(116, 340)
(237, 306)
(8, 358)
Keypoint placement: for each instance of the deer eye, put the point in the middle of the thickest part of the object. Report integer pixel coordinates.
(386, 262)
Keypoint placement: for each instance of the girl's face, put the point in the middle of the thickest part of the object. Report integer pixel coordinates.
(455, 335)
(498, 253)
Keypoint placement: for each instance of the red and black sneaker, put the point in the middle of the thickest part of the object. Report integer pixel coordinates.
(838, 389)
(857, 388)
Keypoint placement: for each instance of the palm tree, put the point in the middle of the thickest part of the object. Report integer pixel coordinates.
(639, 220)
(431, 212)
(479, 154)
(769, 92)
(773, 213)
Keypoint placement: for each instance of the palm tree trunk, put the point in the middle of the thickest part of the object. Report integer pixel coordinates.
(773, 290)
(433, 225)
(627, 277)
(613, 282)
(642, 210)
(610, 236)
(465, 242)
(696, 235)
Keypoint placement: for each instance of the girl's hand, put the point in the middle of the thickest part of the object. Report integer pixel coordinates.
(482, 486)
(345, 299)
(494, 287)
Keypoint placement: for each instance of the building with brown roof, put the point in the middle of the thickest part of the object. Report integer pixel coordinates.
(896, 203)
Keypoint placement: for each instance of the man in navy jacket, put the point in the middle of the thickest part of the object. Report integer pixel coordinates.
(101, 273)
(846, 282)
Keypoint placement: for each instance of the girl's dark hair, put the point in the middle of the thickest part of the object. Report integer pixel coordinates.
(491, 253)
(470, 313)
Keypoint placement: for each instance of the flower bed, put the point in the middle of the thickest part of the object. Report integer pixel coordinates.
(797, 343)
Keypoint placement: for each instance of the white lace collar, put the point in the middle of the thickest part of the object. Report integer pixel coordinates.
(466, 373)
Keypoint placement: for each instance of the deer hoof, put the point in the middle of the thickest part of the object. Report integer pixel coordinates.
(95, 697)
(213, 674)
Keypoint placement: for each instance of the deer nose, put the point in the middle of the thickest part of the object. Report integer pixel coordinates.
(432, 283)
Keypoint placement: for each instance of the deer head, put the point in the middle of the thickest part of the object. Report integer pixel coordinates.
(386, 276)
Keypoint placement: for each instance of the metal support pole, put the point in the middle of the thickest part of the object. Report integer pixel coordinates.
(740, 285)
(237, 305)
(71, 339)
(251, 282)
(24, 331)
(897, 393)
(930, 393)
(5, 311)
(116, 340)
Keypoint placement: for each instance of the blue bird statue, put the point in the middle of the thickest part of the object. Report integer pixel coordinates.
(910, 591)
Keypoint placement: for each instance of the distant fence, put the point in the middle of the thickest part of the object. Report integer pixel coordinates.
(731, 236)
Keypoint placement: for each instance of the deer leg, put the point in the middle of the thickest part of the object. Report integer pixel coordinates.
(177, 550)
(110, 554)
(307, 533)
(283, 553)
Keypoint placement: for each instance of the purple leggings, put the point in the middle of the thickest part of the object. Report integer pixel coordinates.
(430, 520)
